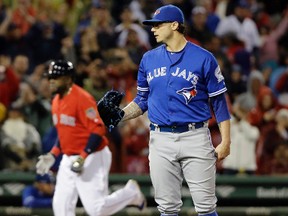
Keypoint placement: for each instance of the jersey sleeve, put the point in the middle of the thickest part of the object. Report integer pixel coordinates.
(214, 79)
(89, 116)
(142, 88)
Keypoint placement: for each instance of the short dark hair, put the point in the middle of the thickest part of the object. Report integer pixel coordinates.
(181, 28)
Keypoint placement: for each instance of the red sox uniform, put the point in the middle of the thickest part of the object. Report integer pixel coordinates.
(75, 117)
(77, 121)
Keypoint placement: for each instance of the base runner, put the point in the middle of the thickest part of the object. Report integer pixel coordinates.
(86, 161)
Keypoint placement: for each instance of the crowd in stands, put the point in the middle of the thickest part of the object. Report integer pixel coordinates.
(105, 40)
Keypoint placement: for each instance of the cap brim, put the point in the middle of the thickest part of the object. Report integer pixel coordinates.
(151, 21)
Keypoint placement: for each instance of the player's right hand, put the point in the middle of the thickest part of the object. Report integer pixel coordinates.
(44, 163)
(77, 165)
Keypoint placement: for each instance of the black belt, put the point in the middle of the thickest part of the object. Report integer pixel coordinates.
(177, 129)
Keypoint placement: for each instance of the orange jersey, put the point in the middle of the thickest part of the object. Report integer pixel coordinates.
(76, 117)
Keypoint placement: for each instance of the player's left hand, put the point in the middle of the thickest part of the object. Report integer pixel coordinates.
(77, 165)
(108, 107)
(222, 150)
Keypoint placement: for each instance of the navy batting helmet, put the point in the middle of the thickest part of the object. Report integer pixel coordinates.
(60, 68)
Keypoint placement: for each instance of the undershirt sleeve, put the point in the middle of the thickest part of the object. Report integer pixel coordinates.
(220, 108)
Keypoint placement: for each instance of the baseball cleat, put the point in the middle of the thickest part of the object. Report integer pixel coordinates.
(140, 200)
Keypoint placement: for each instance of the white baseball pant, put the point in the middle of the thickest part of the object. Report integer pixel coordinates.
(91, 186)
(189, 155)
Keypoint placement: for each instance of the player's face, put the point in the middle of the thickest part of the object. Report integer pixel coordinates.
(60, 84)
(46, 188)
(162, 31)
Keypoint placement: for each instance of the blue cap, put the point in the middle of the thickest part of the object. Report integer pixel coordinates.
(167, 13)
(242, 4)
(46, 178)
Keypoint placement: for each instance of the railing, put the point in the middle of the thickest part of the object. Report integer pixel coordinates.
(240, 195)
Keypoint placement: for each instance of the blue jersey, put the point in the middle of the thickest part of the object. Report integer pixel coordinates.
(175, 87)
(33, 198)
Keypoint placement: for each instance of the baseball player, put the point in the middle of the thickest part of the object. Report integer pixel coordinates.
(86, 160)
(178, 82)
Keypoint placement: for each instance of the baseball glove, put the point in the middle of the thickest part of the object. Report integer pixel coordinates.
(108, 107)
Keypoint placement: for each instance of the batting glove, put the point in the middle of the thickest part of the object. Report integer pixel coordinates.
(77, 165)
(44, 163)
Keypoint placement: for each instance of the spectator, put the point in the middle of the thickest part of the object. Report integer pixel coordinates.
(244, 136)
(121, 71)
(241, 25)
(214, 45)
(272, 148)
(235, 83)
(270, 36)
(36, 77)
(266, 69)
(24, 15)
(34, 107)
(89, 46)
(264, 116)
(254, 83)
(40, 194)
(266, 108)
(104, 25)
(197, 28)
(5, 18)
(66, 12)
(127, 23)
(281, 87)
(134, 46)
(260, 15)
(98, 18)
(236, 53)
(136, 6)
(97, 82)
(20, 66)
(12, 43)
(82, 72)
(45, 38)
(21, 149)
(135, 135)
(9, 83)
(278, 71)
(212, 18)
(221, 8)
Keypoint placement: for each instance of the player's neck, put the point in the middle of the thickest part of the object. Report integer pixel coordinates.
(176, 44)
(66, 92)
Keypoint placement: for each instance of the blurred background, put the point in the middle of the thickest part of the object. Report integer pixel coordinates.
(105, 40)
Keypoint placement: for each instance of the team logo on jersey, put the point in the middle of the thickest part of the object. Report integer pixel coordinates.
(91, 113)
(218, 74)
(188, 93)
